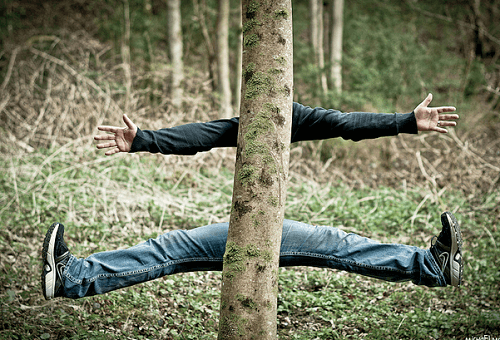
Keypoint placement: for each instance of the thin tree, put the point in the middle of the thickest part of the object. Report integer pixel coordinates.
(317, 40)
(313, 25)
(321, 47)
(175, 49)
(223, 58)
(336, 44)
(200, 11)
(125, 51)
(239, 56)
(251, 261)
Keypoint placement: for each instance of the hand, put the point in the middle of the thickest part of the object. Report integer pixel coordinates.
(431, 119)
(122, 138)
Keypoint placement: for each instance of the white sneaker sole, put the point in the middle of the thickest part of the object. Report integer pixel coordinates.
(49, 272)
(456, 267)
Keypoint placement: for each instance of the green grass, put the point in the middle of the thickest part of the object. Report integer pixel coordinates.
(116, 202)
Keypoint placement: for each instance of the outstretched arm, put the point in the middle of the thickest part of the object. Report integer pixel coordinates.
(121, 139)
(307, 124)
(432, 118)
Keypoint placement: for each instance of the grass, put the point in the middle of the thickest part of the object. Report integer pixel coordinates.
(116, 202)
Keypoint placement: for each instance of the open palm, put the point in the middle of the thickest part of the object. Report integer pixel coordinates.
(432, 118)
(121, 138)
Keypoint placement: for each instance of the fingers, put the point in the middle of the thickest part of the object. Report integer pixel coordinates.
(112, 152)
(445, 123)
(106, 145)
(128, 122)
(446, 109)
(448, 117)
(442, 123)
(427, 100)
(106, 128)
(104, 137)
(440, 130)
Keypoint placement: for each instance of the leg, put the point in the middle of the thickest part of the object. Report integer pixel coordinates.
(319, 246)
(173, 252)
(203, 249)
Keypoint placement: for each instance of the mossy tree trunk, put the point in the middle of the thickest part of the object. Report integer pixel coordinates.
(251, 261)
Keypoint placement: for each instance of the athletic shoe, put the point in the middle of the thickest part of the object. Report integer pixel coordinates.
(447, 250)
(55, 256)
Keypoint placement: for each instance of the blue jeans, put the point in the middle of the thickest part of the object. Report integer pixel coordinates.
(203, 249)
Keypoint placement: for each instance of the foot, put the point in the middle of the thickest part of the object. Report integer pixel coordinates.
(55, 256)
(447, 250)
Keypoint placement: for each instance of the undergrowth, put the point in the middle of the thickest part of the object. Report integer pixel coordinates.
(117, 202)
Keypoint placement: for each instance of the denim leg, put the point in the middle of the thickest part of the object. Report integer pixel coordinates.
(320, 246)
(203, 249)
(173, 252)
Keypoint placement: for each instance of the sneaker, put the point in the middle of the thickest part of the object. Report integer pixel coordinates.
(55, 256)
(447, 250)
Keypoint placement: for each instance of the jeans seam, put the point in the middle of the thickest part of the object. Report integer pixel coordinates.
(144, 270)
(336, 259)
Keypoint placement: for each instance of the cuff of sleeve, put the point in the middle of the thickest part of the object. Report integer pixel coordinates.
(139, 143)
(407, 123)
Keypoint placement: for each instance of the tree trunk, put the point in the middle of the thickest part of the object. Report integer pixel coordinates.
(479, 30)
(313, 10)
(239, 56)
(125, 51)
(321, 49)
(336, 45)
(212, 60)
(223, 58)
(251, 261)
(175, 49)
(317, 37)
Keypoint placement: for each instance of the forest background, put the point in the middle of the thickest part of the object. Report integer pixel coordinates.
(69, 66)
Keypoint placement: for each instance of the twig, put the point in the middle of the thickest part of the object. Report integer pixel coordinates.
(490, 88)
(469, 152)
(424, 172)
(490, 235)
(75, 74)
(415, 213)
(9, 69)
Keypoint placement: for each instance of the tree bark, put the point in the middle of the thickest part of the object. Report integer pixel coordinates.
(175, 50)
(125, 51)
(313, 10)
(321, 49)
(251, 261)
(223, 58)
(211, 57)
(317, 40)
(239, 56)
(336, 45)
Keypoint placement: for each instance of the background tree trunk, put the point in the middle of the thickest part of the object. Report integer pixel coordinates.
(321, 47)
(251, 261)
(211, 57)
(223, 58)
(336, 45)
(317, 40)
(125, 52)
(313, 10)
(175, 49)
(239, 56)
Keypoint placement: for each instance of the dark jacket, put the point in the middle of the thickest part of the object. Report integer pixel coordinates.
(307, 124)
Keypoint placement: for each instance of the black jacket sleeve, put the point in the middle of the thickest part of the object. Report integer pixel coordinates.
(307, 124)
